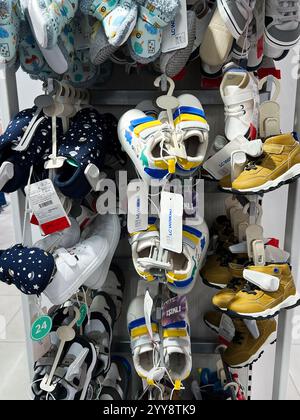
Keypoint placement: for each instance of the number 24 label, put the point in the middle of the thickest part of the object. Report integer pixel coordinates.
(41, 328)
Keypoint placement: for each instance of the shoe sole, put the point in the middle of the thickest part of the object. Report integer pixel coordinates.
(229, 19)
(272, 339)
(273, 42)
(37, 24)
(290, 303)
(269, 186)
(89, 374)
(213, 285)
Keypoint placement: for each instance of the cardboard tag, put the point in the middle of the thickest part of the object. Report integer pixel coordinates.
(226, 330)
(174, 310)
(137, 218)
(148, 306)
(47, 207)
(171, 214)
(175, 36)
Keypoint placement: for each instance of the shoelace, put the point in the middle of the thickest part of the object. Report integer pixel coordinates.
(253, 165)
(250, 289)
(238, 338)
(235, 111)
(289, 10)
(234, 284)
(248, 5)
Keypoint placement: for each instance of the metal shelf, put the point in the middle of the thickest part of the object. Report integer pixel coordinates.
(123, 347)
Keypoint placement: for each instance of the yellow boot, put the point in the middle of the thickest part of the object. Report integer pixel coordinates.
(223, 299)
(254, 303)
(279, 165)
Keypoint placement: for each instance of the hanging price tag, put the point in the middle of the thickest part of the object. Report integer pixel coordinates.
(174, 310)
(148, 306)
(137, 219)
(41, 328)
(175, 36)
(226, 330)
(171, 214)
(47, 207)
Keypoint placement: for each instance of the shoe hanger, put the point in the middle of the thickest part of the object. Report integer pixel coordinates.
(269, 116)
(66, 333)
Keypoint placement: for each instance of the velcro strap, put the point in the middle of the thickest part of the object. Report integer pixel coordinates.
(141, 341)
(176, 342)
(149, 17)
(273, 149)
(137, 237)
(237, 99)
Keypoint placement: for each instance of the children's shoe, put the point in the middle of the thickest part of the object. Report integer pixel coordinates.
(220, 269)
(279, 165)
(145, 139)
(223, 299)
(85, 143)
(99, 327)
(145, 245)
(75, 266)
(146, 38)
(174, 62)
(254, 303)
(99, 9)
(116, 383)
(237, 15)
(217, 42)
(15, 166)
(109, 228)
(145, 350)
(120, 23)
(190, 119)
(65, 239)
(240, 94)
(282, 23)
(186, 266)
(9, 32)
(244, 350)
(100, 49)
(48, 19)
(82, 73)
(211, 72)
(177, 350)
(29, 269)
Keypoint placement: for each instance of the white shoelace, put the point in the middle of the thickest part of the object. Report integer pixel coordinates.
(288, 10)
(235, 111)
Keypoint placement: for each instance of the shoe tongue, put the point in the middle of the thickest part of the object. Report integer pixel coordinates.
(230, 90)
(147, 243)
(285, 140)
(146, 348)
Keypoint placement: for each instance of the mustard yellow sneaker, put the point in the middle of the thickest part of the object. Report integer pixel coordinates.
(244, 350)
(279, 165)
(253, 303)
(223, 299)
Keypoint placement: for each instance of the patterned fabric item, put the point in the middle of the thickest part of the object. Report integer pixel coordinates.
(145, 41)
(99, 9)
(37, 152)
(86, 142)
(29, 269)
(9, 32)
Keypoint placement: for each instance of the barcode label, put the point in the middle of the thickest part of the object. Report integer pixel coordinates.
(46, 204)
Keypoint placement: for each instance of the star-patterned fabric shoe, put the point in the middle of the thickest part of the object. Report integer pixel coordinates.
(15, 166)
(29, 269)
(85, 143)
(9, 32)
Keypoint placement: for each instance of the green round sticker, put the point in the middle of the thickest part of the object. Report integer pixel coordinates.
(83, 313)
(41, 328)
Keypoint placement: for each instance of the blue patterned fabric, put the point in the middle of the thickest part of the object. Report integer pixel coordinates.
(29, 269)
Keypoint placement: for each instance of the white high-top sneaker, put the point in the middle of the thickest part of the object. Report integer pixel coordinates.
(237, 14)
(240, 94)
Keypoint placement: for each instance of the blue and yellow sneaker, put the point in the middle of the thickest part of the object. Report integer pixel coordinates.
(190, 119)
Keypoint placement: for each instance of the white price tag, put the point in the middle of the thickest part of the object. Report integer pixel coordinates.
(137, 218)
(148, 306)
(47, 207)
(226, 329)
(175, 36)
(171, 215)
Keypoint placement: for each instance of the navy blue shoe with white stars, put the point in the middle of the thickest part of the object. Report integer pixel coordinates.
(29, 269)
(15, 166)
(88, 140)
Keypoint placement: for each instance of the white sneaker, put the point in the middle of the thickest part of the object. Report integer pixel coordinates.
(145, 140)
(282, 23)
(74, 266)
(144, 352)
(190, 119)
(217, 42)
(177, 350)
(237, 14)
(240, 94)
(65, 239)
(107, 227)
(116, 383)
(186, 266)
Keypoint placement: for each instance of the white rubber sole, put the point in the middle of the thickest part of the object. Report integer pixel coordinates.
(228, 18)
(80, 280)
(273, 42)
(287, 177)
(291, 302)
(89, 374)
(105, 266)
(271, 339)
(37, 23)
